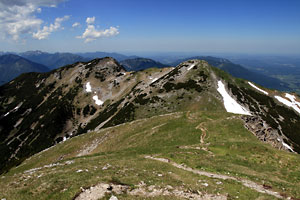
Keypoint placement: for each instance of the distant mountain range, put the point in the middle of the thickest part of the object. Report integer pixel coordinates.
(99, 54)
(240, 72)
(53, 60)
(12, 66)
(132, 63)
(138, 64)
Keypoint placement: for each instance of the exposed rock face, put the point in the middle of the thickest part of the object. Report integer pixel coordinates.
(270, 113)
(264, 132)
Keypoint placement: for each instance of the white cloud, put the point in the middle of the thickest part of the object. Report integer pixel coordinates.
(17, 17)
(91, 33)
(76, 24)
(90, 20)
(45, 32)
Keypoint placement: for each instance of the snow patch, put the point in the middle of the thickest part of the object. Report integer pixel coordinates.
(155, 79)
(88, 87)
(289, 96)
(252, 85)
(190, 67)
(97, 100)
(287, 146)
(230, 104)
(292, 98)
(294, 104)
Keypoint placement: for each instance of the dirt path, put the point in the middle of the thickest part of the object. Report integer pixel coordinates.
(247, 183)
(203, 130)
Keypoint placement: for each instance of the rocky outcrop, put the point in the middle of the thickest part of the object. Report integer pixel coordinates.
(264, 132)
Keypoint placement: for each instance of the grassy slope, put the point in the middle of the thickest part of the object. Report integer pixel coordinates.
(228, 148)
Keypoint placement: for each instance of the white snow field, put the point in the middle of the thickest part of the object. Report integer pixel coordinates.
(292, 98)
(287, 146)
(97, 100)
(88, 87)
(155, 79)
(254, 86)
(230, 104)
(293, 103)
(191, 66)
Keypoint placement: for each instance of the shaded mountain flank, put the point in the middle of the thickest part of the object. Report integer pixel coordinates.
(12, 66)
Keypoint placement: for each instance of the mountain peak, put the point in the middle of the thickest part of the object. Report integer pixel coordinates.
(107, 63)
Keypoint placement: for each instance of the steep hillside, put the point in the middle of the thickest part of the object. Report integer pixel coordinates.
(12, 66)
(138, 64)
(53, 60)
(192, 131)
(38, 110)
(240, 72)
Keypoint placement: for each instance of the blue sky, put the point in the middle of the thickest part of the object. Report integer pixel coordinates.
(218, 26)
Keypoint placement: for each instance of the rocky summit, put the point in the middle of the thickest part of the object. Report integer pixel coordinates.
(93, 130)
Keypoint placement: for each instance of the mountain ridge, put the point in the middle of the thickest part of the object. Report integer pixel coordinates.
(117, 97)
(98, 114)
